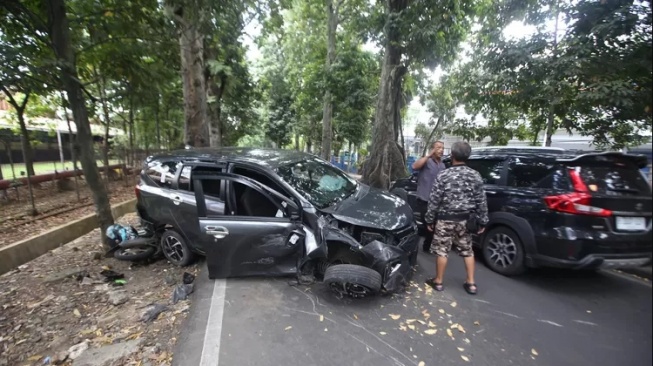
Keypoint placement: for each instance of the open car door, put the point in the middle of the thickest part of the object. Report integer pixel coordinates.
(249, 245)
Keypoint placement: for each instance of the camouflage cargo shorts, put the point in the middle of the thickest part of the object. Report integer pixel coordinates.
(452, 233)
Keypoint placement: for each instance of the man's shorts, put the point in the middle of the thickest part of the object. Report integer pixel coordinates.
(452, 233)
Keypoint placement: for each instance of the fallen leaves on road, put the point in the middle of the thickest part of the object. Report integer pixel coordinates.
(454, 304)
(383, 333)
(449, 333)
(431, 324)
(288, 328)
(477, 323)
(465, 358)
(441, 311)
(461, 349)
(421, 363)
(321, 318)
(534, 352)
(430, 331)
(395, 316)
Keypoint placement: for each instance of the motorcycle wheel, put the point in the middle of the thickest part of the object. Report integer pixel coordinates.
(136, 253)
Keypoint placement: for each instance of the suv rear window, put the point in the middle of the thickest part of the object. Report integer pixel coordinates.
(613, 179)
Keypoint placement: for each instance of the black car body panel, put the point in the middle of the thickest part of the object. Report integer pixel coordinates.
(243, 210)
(566, 207)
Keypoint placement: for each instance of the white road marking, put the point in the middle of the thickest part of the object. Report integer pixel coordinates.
(508, 314)
(549, 322)
(211, 347)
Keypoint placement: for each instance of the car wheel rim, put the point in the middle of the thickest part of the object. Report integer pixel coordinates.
(502, 250)
(173, 249)
(350, 289)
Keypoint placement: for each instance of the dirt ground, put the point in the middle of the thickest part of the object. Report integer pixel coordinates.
(59, 307)
(55, 207)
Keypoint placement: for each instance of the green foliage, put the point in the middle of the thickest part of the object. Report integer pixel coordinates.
(520, 85)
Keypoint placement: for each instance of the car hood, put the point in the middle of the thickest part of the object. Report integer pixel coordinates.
(373, 208)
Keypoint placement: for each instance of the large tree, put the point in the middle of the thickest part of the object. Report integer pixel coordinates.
(416, 34)
(59, 32)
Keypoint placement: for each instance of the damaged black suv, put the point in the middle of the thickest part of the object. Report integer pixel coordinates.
(277, 212)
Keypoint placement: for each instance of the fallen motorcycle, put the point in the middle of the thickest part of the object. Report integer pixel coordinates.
(131, 244)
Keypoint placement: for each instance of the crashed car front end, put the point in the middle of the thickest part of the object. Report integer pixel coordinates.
(391, 253)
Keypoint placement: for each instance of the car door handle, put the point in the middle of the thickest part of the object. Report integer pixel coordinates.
(218, 232)
(176, 199)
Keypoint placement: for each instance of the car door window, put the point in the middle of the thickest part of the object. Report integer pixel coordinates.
(528, 172)
(489, 169)
(162, 173)
(214, 204)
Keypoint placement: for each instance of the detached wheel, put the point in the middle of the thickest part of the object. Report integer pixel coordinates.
(175, 249)
(503, 252)
(352, 280)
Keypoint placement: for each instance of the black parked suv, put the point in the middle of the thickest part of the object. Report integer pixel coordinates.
(559, 208)
(277, 212)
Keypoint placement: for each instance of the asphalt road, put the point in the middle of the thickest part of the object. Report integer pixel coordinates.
(547, 317)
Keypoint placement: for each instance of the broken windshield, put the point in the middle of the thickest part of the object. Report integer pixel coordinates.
(320, 183)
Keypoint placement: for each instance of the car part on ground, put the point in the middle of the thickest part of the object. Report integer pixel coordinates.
(131, 244)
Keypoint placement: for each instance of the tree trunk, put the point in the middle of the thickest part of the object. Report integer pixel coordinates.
(327, 128)
(71, 139)
(551, 117)
(107, 120)
(385, 162)
(26, 146)
(130, 125)
(157, 123)
(191, 41)
(60, 38)
(215, 127)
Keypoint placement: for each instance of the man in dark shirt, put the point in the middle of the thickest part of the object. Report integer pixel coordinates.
(429, 167)
(456, 197)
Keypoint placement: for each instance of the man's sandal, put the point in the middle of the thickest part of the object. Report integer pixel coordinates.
(471, 288)
(436, 286)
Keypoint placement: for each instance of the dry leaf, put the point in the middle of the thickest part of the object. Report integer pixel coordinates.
(421, 363)
(321, 318)
(430, 331)
(77, 313)
(410, 321)
(461, 329)
(454, 326)
(465, 358)
(412, 327)
(403, 327)
(326, 330)
(288, 328)
(383, 333)
(461, 349)
(441, 311)
(421, 322)
(449, 333)
(395, 316)
(355, 316)
(534, 352)
(477, 323)
(454, 304)
(431, 324)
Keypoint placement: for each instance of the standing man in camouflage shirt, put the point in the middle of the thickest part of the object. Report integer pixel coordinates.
(429, 167)
(457, 196)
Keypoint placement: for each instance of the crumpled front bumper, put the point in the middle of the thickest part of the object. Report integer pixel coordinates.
(392, 262)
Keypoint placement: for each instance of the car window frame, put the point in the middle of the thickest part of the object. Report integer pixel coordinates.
(513, 160)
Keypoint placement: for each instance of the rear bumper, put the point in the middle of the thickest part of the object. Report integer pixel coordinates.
(595, 261)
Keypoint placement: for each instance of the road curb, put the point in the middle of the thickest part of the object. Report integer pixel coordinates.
(28, 249)
(644, 272)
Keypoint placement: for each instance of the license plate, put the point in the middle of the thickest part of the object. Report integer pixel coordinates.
(631, 223)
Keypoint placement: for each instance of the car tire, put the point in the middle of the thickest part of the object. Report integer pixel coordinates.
(175, 249)
(503, 251)
(353, 280)
(135, 253)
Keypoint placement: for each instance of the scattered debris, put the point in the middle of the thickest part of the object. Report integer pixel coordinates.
(152, 312)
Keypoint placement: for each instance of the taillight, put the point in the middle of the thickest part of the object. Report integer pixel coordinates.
(578, 202)
(575, 203)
